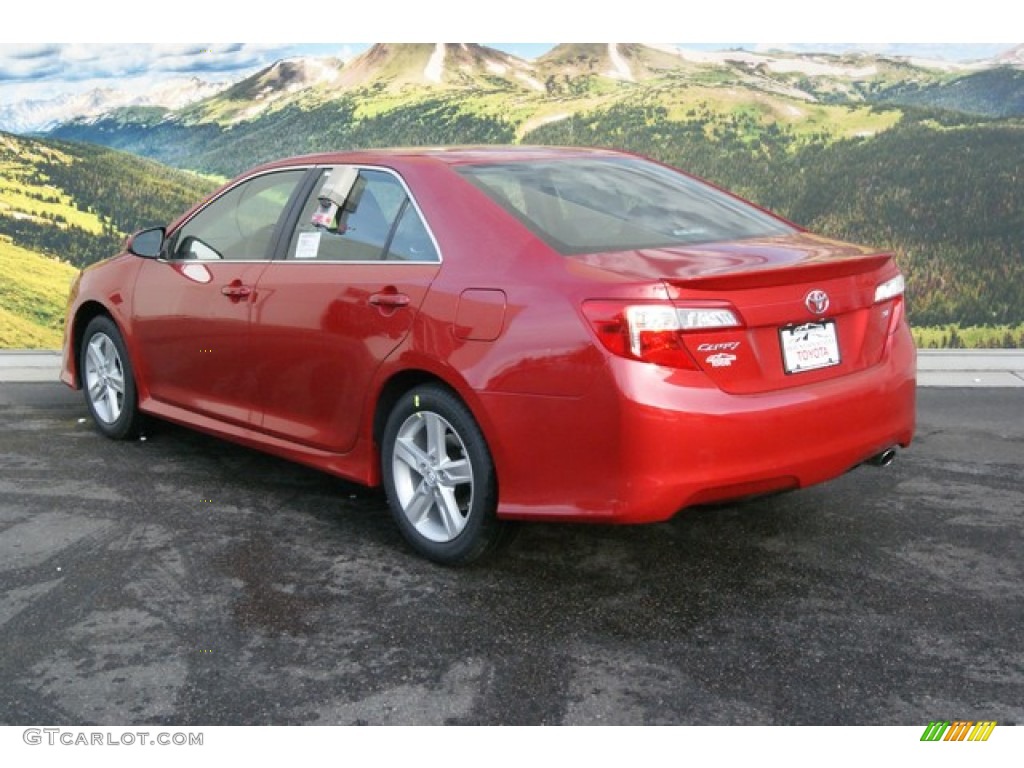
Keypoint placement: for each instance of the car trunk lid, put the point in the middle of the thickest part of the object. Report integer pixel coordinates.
(807, 305)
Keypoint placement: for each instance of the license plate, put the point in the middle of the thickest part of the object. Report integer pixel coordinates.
(809, 346)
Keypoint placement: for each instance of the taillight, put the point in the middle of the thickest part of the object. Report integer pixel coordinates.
(890, 289)
(653, 332)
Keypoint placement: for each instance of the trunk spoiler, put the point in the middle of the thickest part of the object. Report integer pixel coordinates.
(767, 277)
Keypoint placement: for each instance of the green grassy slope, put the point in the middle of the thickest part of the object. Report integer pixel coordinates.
(64, 205)
(33, 295)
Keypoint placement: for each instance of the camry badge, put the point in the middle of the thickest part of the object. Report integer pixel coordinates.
(816, 302)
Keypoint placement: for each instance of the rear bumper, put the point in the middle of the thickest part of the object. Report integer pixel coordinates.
(653, 442)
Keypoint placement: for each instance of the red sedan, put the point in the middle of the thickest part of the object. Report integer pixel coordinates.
(500, 334)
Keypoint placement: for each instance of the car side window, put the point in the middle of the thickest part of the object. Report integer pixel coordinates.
(376, 222)
(238, 225)
(411, 241)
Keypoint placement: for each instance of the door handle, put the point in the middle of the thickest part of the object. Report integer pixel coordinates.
(236, 290)
(389, 300)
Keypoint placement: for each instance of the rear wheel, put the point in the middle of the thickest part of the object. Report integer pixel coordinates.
(439, 477)
(108, 380)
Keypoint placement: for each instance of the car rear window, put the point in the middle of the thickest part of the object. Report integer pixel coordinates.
(591, 205)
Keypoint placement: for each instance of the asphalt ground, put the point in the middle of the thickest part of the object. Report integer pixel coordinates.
(181, 580)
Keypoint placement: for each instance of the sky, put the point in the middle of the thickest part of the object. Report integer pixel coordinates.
(42, 69)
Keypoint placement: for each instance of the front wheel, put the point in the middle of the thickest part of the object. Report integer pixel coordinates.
(439, 477)
(107, 380)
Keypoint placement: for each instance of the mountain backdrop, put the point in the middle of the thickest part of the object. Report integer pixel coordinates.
(924, 158)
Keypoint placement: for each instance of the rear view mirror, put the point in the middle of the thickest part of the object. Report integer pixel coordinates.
(147, 243)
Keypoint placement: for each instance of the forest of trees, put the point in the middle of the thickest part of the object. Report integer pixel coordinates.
(129, 192)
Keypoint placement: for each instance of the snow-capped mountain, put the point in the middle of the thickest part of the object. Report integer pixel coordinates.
(388, 66)
(1011, 58)
(39, 115)
(436, 64)
(280, 82)
(625, 62)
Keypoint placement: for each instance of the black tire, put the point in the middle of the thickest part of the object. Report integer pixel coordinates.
(439, 477)
(108, 380)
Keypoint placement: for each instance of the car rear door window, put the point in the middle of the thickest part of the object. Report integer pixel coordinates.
(377, 222)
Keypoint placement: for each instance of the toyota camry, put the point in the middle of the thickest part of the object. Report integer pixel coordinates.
(503, 333)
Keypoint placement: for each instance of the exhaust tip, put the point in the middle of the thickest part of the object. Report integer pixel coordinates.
(883, 459)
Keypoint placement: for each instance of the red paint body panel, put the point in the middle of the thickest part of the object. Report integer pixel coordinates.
(193, 342)
(668, 441)
(297, 366)
(320, 341)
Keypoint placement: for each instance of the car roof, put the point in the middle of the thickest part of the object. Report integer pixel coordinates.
(455, 155)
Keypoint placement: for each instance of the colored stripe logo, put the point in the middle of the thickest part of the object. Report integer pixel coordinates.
(958, 730)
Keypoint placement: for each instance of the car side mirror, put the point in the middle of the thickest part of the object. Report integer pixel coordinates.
(147, 243)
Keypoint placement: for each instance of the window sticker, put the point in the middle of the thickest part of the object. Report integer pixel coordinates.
(308, 245)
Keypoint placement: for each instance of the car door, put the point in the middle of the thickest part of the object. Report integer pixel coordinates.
(192, 307)
(341, 299)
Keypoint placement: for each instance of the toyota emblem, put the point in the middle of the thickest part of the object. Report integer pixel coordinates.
(816, 302)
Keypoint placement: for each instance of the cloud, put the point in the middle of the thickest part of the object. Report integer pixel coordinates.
(87, 62)
(348, 52)
(19, 51)
(948, 51)
(15, 70)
